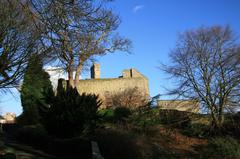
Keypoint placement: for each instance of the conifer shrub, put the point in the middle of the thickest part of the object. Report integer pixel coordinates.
(72, 114)
(36, 92)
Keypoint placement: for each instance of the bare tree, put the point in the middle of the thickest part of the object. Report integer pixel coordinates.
(79, 30)
(17, 42)
(130, 98)
(205, 64)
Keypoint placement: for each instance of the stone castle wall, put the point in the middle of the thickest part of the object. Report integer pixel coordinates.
(130, 79)
(112, 86)
(180, 105)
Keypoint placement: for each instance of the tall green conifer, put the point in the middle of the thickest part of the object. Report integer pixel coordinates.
(36, 92)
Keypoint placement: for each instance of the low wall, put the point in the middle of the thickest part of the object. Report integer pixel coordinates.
(180, 105)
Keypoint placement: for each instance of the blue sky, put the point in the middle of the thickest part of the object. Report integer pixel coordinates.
(153, 26)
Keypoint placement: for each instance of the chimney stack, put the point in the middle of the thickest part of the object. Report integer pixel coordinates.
(95, 71)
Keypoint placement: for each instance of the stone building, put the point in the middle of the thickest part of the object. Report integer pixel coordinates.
(130, 89)
(8, 118)
(180, 105)
(130, 79)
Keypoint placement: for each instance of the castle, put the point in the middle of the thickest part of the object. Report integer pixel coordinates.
(130, 81)
(131, 89)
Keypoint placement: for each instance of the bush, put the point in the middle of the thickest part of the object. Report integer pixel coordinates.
(71, 148)
(117, 145)
(2, 145)
(121, 113)
(196, 130)
(130, 98)
(175, 118)
(222, 147)
(231, 125)
(106, 114)
(152, 116)
(35, 135)
(8, 156)
(72, 114)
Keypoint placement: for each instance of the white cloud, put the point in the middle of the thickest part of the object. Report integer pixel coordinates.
(136, 8)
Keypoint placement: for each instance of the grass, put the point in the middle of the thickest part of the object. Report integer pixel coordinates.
(154, 134)
(158, 142)
(147, 134)
(222, 147)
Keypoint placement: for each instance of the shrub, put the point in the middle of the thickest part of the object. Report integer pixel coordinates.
(72, 114)
(2, 145)
(117, 145)
(35, 135)
(196, 130)
(144, 117)
(231, 125)
(222, 147)
(121, 113)
(152, 116)
(130, 98)
(175, 118)
(71, 148)
(8, 156)
(106, 114)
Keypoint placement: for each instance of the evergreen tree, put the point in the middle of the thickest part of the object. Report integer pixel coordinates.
(36, 92)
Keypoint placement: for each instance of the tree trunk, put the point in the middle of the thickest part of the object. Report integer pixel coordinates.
(220, 120)
(221, 115)
(215, 124)
(71, 81)
(77, 75)
(70, 78)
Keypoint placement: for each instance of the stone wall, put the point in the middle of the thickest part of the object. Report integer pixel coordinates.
(180, 105)
(8, 118)
(106, 87)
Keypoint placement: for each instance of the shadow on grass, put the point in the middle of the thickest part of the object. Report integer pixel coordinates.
(122, 144)
(116, 145)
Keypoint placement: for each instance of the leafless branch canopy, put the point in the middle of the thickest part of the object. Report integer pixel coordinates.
(18, 39)
(79, 30)
(206, 64)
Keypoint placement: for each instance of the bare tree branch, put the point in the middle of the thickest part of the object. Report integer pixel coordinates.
(206, 64)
